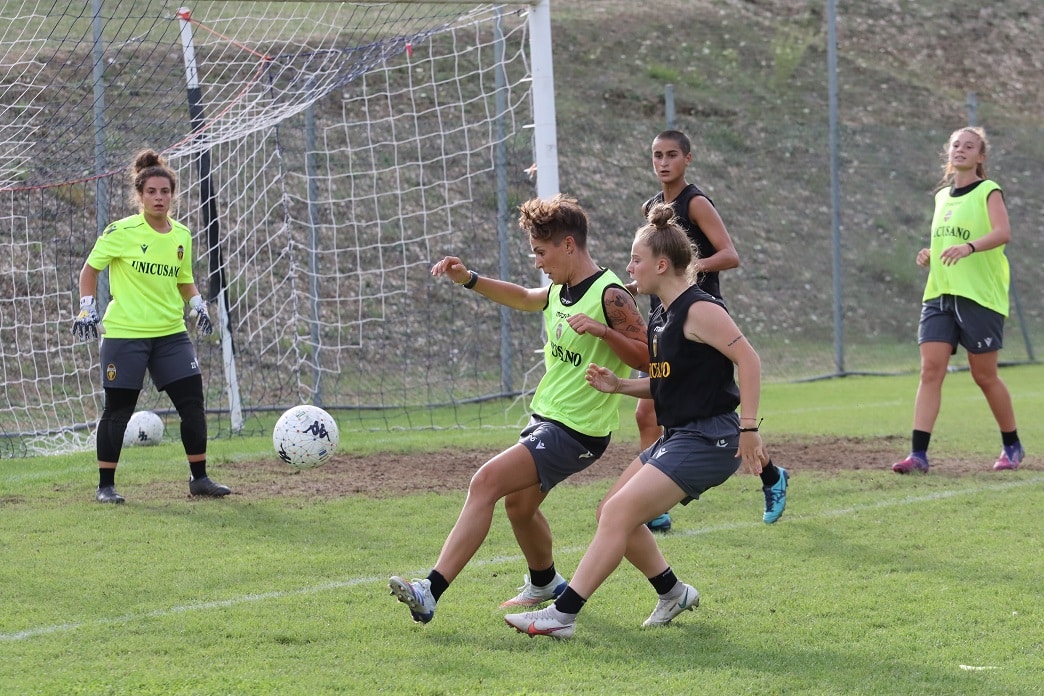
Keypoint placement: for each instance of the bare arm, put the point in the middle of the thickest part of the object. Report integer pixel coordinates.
(88, 280)
(605, 380)
(187, 291)
(709, 323)
(500, 291)
(704, 214)
(625, 333)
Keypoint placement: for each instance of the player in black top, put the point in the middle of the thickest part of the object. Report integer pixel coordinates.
(699, 219)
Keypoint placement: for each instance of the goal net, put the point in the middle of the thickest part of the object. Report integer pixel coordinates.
(327, 155)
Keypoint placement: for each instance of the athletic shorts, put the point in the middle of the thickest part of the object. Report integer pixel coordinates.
(559, 451)
(698, 456)
(167, 359)
(953, 319)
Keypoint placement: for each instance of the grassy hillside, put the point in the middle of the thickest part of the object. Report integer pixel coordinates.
(750, 85)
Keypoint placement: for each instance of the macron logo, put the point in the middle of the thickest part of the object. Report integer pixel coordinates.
(540, 445)
(661, 452)
(723, 443)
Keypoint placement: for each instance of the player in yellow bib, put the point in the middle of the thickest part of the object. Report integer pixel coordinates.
(149, 257)
(966, 297)
(588, 317)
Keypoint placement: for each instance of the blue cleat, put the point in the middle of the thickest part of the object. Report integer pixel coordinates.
(776, 497)
(660, 524)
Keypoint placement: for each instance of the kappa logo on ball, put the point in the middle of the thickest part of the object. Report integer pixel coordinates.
(305, 437)
(143, 428)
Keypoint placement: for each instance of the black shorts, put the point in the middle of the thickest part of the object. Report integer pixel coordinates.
(167, 359)
(953, 319)
(699, 456)
(559, 451)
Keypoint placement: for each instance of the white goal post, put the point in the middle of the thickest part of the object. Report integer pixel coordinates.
(327, 154)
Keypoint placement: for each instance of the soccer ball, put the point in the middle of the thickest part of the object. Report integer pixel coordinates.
(143, 428)
(305, 437)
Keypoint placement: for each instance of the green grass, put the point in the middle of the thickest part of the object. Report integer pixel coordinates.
(871, 584)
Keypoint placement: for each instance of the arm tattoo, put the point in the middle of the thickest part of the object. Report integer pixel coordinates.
(622, 312)
(736, 340)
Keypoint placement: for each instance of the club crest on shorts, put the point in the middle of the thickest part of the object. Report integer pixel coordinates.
(110, 372)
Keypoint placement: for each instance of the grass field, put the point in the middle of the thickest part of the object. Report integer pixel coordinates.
(871, 583)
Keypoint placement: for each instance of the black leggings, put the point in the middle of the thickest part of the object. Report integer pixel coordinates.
(187, 397)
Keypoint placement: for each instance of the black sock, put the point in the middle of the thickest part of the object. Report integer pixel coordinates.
(198, 469)
(664, 582)
(438, 584)
(569, 602)
(540, 578)
(106, 477)
(1010, 439)
(769, 475)
(919, 441)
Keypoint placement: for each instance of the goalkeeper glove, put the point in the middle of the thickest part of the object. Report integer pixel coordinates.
(203, 323)
(85, 327)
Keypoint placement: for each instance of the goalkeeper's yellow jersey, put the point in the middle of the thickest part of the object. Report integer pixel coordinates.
(145, 269)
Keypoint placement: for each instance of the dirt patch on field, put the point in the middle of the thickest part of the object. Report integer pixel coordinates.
(384, 475)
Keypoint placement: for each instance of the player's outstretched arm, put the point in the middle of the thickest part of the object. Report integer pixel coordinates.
(500, 291)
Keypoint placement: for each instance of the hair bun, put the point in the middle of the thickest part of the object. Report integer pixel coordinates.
(146, 159)
(660, 214)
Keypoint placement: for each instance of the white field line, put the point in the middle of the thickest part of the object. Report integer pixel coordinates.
(496, 560)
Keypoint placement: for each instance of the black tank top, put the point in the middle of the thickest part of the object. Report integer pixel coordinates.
(689, 380)
(707, 281)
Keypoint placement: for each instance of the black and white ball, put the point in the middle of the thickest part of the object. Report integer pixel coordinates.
(305, 437)
(143, 428)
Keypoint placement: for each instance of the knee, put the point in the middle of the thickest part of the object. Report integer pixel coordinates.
(610, 512)
(118, 415)
(517, 509)
(985, 379)
(645, 414)
(111, 428)
(482, 488)
(933, 371)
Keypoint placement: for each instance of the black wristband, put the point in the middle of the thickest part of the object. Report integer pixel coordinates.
(471, 281)
(750, 430)
(971, 245)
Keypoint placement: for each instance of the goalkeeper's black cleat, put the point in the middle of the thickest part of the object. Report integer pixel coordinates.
(204, 486)
(108, 494)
